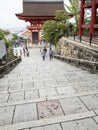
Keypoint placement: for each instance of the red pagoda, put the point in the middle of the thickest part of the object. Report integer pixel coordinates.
(36, 12)
(91, 5)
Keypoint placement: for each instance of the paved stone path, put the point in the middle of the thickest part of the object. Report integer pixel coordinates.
(48, 95)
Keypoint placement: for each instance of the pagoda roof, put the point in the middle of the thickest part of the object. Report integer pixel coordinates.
(42, 1)
(41, 8)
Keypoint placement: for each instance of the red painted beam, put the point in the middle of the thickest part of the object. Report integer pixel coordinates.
(93, 17)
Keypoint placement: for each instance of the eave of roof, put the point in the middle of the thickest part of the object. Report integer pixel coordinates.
(41, 9)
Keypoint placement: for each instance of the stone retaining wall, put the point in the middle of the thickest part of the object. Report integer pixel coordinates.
(77, 53)
(5, 69)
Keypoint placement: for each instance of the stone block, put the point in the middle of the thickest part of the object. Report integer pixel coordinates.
(4, 86)
(6, 115)
(3, 97)
(14, 87)
(39, 84)
(26, 112)
(28, 85)
(91, 101)
(66, 90)
(72, 105)
(18, 96)
(33, 94)
(84, 124)
(50, 83)
(47, 92)
(49, 109)
(96, 118)
(52, 127)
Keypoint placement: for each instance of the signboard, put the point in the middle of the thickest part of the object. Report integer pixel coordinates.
(2, 49)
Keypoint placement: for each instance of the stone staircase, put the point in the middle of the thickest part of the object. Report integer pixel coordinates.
(50, 95)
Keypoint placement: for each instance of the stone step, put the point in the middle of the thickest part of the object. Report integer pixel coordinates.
(70, 95)
(48, 121)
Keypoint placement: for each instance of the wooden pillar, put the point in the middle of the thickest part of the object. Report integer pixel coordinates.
(81, 17)
(93, 17)
(31, 33)
(31, 37)
(38, 35)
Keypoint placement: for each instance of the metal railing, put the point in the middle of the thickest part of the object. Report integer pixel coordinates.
(90, 38)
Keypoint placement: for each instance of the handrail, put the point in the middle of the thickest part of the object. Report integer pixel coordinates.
(6, 68)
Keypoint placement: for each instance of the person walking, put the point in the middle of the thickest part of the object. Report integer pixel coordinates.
(24, 51)
(44, 52)
(50, 53)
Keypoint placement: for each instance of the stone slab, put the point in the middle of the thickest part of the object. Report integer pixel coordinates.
(96, 119)
(15, 81)
(52, 127)
(3, 97)
(14, 87)
(43, 122)
(24, 129)
(82, 87)
(26, 112)
(49, 109)
(37, 128)
(33, 94)
(63, 81)
(22, 102)
(6, 115)
(72, 105)
(28, 85)
(85, 124)
(48, 127)
(91, 101)
(51, 83)
(47, 92)
(28, 79)
(65, 90)
(18, 96)
(4, 86)
(39, 84)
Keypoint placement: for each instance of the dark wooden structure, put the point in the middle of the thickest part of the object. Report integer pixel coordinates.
(93, 25)
(36, 12)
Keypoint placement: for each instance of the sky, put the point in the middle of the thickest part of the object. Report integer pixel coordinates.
(8, 9)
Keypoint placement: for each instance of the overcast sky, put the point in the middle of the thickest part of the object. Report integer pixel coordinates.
(8, 9)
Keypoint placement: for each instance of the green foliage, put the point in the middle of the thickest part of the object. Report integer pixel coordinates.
(15, 37)
(8, 43)
(48, 31)
(2, 35)
(53, 31)
(74, 9)
(62, 16)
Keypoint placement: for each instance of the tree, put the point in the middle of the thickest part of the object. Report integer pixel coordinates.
(74, 9)
(49, 28)
(62, 16)
(54, 30)
(2, 35)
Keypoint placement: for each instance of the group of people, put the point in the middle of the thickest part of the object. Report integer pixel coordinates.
(44, 53)
(21, 51)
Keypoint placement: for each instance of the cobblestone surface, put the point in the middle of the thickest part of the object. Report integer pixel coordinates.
(48, 95)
